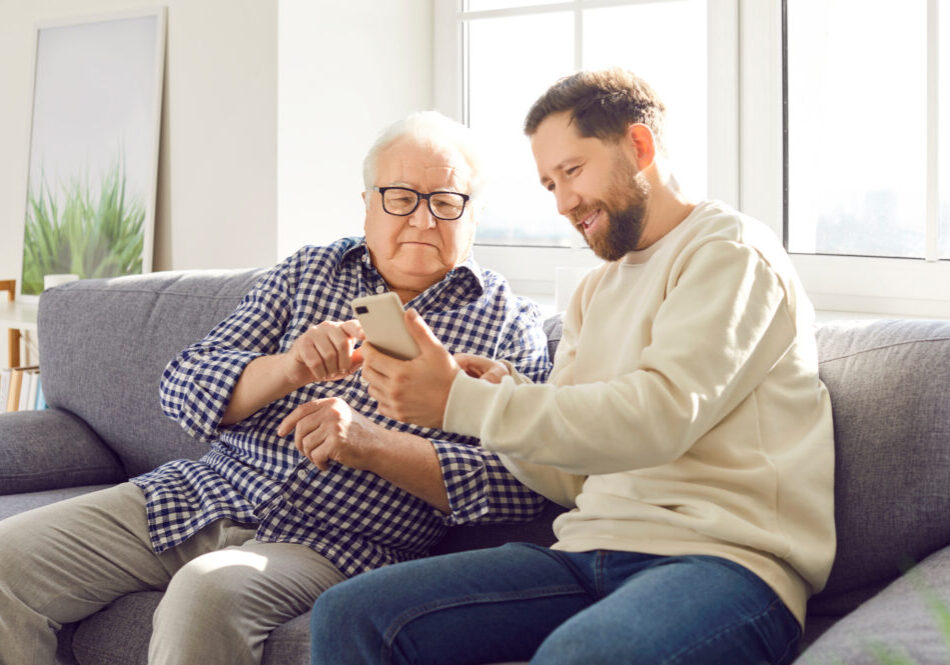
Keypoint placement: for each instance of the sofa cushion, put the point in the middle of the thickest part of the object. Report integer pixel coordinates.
(14, 504)
(889, 382)
(903, 620)
(120, 633)
(49, 449)
(105, 342)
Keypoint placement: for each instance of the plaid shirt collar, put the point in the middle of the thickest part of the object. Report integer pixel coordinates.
(466, 273)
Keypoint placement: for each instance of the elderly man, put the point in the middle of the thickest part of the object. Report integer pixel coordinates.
(684, 424)
(248, 536)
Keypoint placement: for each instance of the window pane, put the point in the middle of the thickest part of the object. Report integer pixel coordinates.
(943, 131)
(669, 52)
(501, 90)
(485, 5)
(857, 127)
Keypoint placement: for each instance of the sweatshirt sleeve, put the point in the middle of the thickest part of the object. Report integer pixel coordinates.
(721, 328)
(524, 346)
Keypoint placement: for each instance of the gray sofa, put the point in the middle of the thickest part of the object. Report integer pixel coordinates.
(103, 344)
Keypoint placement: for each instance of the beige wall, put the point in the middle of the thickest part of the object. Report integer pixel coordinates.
(248, 172)
(217, 182)
(347, 69)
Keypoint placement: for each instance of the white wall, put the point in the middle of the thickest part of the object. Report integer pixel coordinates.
(217, 183)
(268, 110)
(347, 69)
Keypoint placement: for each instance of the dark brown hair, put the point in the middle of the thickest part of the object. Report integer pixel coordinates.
(602, 104)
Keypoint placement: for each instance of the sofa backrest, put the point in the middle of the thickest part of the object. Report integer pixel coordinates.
(889, 383)
(890, 392)
(111, 339)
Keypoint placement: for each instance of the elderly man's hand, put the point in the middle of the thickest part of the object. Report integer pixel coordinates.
(328, 429)
(482, 368)
(324, 353)
(413, 391)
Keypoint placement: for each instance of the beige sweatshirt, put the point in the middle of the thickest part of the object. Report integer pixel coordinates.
(684, 414)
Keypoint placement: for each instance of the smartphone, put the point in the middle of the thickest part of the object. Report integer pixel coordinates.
(382, 319)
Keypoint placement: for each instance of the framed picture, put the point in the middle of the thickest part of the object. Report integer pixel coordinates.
(93, 159)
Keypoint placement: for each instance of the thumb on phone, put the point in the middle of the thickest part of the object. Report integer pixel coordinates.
(421, 332)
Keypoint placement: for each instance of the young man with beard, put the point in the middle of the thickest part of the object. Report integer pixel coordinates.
(684, 424)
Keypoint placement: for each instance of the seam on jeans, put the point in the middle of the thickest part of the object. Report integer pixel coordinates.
(402, 620)
(677, 657)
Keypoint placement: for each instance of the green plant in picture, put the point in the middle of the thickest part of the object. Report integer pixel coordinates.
(85, 235)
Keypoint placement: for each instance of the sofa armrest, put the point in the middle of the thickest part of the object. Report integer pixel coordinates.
(50, 449)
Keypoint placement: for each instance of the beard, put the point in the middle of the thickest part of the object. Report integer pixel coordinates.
(625, 205)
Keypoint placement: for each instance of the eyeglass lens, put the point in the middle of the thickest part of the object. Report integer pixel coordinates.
(444, 205)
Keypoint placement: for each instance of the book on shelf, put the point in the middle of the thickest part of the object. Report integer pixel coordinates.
(4, 387)
(19, 392)
(31, 380)
(40, 397)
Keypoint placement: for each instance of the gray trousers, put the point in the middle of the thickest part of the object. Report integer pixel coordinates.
(224, 592)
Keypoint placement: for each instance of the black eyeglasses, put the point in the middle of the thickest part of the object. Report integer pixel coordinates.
(403, 201)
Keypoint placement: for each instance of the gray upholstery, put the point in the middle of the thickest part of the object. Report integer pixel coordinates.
(103, 344)
(903, 620)
(889, 383)
(112, 338)
(44, 451)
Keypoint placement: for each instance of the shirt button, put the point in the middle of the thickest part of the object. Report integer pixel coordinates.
(303, 474)
(380, 289)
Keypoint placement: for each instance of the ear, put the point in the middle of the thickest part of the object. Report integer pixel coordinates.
(640, 137)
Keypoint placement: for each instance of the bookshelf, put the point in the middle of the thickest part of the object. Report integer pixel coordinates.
(17, 316)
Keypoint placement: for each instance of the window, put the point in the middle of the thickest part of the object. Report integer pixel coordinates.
(510, 51)
(868, 214)
(499, 90)
(814, 84)
(858, 129)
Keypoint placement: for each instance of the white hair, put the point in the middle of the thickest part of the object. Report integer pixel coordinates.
(431, 129)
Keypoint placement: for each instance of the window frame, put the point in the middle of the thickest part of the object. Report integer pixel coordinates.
(746, 163)
(846, 285)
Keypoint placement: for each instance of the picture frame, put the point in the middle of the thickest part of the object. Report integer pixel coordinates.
(94, 143)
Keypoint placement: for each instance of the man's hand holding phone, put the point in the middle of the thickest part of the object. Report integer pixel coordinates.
(408, 371)
(413, 391)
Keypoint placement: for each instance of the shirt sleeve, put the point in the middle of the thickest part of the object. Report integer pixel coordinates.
(524, 345)
(481, 489)
(684, 385)
(196, 386)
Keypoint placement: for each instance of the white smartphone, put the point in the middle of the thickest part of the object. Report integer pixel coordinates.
(382, 319)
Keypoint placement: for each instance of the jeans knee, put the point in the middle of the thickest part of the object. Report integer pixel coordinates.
(343, 627)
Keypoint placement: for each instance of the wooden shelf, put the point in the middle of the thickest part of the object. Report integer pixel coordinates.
(16, 316)
(20, 315)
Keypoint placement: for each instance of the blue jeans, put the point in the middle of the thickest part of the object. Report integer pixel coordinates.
(523, 602)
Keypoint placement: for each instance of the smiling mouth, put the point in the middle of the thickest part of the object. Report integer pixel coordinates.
(585, 224)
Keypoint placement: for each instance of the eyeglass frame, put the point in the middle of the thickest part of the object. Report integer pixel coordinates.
(419, 196)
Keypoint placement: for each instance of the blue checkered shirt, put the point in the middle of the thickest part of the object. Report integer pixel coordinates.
(354, 518)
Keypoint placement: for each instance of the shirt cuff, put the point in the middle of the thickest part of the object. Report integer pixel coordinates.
(466, 483)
